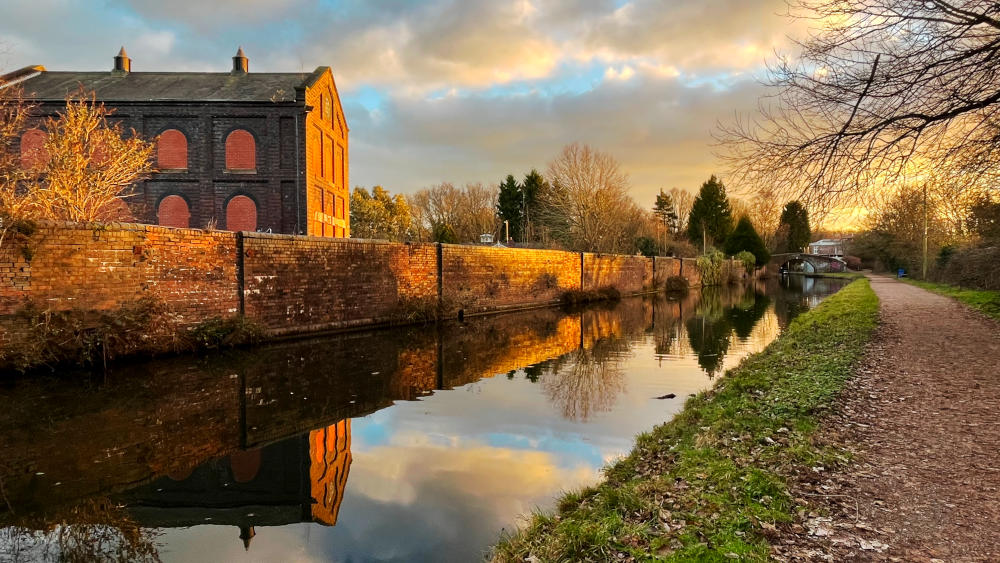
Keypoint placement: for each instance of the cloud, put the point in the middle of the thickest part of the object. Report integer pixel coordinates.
(458, 90)
(208, 15)
(655, 125)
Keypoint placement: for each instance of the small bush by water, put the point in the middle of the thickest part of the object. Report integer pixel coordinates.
(677, 284)
(709, 483)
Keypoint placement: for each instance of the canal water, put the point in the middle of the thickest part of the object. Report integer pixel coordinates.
(414, 444)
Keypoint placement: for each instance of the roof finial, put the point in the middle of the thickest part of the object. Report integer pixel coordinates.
(240, 62)
(123, 64)
(246, 534)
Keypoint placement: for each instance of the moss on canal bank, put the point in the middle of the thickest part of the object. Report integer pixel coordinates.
(709, 485)
(985, 301)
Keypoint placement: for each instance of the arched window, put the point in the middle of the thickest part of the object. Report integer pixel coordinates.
(173, 212)
(241, 214)
(245, 465)
(172, 150)
(33, 154)
(241, 151)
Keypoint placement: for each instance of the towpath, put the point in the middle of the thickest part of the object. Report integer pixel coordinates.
(923, 416)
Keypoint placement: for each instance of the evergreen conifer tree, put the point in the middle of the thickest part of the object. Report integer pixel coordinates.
(795, 217)
(533, 185)
(745, 237)
(711, 215)
(509, 207)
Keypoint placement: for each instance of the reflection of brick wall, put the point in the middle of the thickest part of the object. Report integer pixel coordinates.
(75, 266)
(98, 440)
(502, 344)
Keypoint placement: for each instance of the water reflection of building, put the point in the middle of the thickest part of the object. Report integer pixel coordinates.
(329, 464)
(299, 479)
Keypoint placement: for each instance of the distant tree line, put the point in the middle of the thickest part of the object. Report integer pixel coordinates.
(583, 203)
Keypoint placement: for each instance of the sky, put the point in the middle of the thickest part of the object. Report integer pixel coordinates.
(458, 90)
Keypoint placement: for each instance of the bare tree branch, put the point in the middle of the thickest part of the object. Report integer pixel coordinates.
(882, 90)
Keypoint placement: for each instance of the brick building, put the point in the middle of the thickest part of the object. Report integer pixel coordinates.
(250, 151)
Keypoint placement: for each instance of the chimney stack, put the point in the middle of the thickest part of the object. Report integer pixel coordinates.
(240, 63)
(123, 64)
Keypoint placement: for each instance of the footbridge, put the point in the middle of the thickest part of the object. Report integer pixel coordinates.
(800, 262)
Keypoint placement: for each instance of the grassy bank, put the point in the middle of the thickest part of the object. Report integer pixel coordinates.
(709, 485)
(985, 301)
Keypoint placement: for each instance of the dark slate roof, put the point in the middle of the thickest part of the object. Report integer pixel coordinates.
(170, 86)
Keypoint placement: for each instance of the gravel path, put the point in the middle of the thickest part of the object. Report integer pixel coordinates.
(923, 417)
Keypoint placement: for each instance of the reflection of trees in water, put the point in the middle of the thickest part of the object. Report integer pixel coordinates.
(533, 372)
(709, 338)
(746, 314)
(94, 530)
(668, 324)
(790, 303)
(800, 294)
(721, 313)
(587, 381)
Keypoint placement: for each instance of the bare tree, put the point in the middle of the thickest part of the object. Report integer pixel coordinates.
(763, 208)
(683, 200)
(448, 214)
(90, 164)
(881, 90)
(588, 207)
(14, 114)
(79, 173)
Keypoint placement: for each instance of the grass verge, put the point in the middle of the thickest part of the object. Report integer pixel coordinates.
(710, 485)
(985, 301)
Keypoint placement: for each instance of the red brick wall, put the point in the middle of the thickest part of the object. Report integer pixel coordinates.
(298, 284)
(691, 272)
(630, 274)
(173, 211)
(483, 278)
(241, 214)
(75, 266)
(292, 284)
(664, 268)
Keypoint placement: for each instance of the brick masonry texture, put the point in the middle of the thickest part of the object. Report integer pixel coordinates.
(629, 274)
(295, 284)
(101, 267)
(485, 278)
(302, 284)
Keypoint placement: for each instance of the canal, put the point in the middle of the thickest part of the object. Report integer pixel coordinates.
(412, 444)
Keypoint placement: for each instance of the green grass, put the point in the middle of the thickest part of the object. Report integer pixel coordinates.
(707, 485)
(985, 301)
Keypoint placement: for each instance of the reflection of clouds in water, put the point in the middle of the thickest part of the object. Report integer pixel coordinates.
(504, 477)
